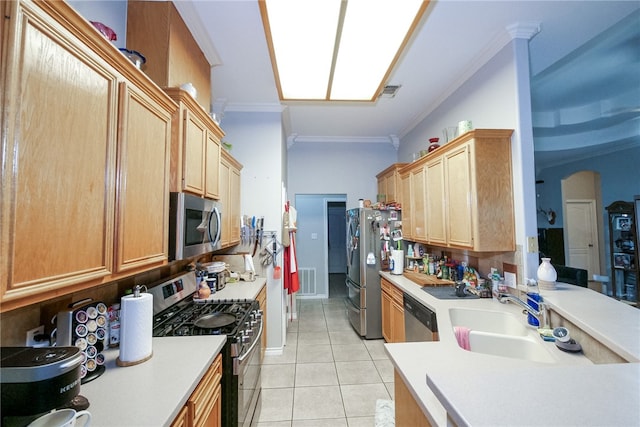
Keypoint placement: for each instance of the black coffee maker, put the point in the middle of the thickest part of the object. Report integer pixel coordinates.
(37, 380)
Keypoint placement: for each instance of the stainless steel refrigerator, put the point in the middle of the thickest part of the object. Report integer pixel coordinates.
(370, 235)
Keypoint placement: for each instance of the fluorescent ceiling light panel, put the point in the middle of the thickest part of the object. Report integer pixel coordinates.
(303, 35)
(336, 49)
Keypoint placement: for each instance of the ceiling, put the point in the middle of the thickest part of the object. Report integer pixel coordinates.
(454, 39)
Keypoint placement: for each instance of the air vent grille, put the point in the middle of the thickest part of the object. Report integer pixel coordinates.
(389, 91)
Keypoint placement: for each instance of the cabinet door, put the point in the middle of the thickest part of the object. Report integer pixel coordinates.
(212, 167)
(195, 140)
(142, 203)
(407, 222)
(382, 186)
(397, 314)
(435, 202)
(386, 316)
(234, 206)
(59, 148)
(262, 300)
(418, 204)
(182, 420)
(390, 184)
(204, 404)
(225, 176)
(458, 193)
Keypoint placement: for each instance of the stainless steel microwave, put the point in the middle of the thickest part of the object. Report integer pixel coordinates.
(195, 225)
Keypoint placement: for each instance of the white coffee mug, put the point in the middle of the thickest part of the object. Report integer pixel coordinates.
(62, 418)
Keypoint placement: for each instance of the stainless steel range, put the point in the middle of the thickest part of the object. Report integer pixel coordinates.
(176, 314)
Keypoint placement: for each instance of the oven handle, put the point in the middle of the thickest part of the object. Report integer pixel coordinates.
(255, 342)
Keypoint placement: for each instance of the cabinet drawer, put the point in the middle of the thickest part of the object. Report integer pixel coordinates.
(201, 400)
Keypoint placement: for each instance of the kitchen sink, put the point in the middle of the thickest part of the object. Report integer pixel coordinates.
(526, 348)
(496, 322)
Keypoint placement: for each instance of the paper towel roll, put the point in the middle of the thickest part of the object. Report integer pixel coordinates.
(398, 262)
(136, 329)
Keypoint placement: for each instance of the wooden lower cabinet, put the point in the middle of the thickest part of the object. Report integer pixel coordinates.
(408, 413)
(392, 312)
(204, 407)
(262, 300)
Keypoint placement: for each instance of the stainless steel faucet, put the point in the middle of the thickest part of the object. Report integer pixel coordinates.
(540, 314)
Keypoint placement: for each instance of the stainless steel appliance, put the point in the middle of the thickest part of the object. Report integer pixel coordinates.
(177, 314)
(369, 233)
(195, 225)
(420, 322)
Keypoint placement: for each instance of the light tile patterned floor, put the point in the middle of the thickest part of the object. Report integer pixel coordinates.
(327, 375)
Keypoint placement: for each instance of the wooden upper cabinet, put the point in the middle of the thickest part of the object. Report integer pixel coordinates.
(156, 30)
(212, 167)
(418, 206)
(407, 217)
(84, 190)
(468, 185)
(230, 199)
(143, 177)
(389, 183)
(57, 201)
(435, 201)
(195, 148)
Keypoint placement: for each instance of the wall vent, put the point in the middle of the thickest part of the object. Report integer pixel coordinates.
(389, 91)
(307, 277)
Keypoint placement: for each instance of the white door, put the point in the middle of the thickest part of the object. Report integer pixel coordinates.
(582, 235)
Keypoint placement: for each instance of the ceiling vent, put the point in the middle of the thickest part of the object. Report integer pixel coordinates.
(389, 91)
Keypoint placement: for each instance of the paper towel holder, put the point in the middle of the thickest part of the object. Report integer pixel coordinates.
(123, 363)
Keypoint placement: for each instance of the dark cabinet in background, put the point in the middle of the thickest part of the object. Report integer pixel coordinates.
(623, 246)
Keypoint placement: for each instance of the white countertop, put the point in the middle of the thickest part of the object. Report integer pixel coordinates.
(478, 389)
(151, 393)
(241, 290)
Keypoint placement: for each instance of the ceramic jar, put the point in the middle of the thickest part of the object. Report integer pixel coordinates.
(547, 275)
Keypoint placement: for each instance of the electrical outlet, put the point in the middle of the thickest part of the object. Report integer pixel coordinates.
(31, 342)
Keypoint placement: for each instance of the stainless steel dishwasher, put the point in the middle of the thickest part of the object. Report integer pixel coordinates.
(419, 321)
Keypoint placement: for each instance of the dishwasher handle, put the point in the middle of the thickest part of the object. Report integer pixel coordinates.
(424, 314)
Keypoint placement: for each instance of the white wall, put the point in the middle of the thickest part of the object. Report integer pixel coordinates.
(112, 13)
(257, 141)
(336, 168)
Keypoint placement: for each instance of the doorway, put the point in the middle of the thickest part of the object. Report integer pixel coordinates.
(336, 248)
(582, 207)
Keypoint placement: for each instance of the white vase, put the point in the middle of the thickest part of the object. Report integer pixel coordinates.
(547, 275)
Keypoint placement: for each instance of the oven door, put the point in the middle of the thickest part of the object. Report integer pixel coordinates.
(195, 226)
(247, 369)
(356, 309)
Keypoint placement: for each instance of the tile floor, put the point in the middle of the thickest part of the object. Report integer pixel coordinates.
(327, 375)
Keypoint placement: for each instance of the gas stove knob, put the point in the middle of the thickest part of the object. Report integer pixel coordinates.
(248, 332)
(246, 339)
(254, 323)
(258, 314)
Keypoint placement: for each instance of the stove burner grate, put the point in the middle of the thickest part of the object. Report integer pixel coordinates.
(215, 320)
